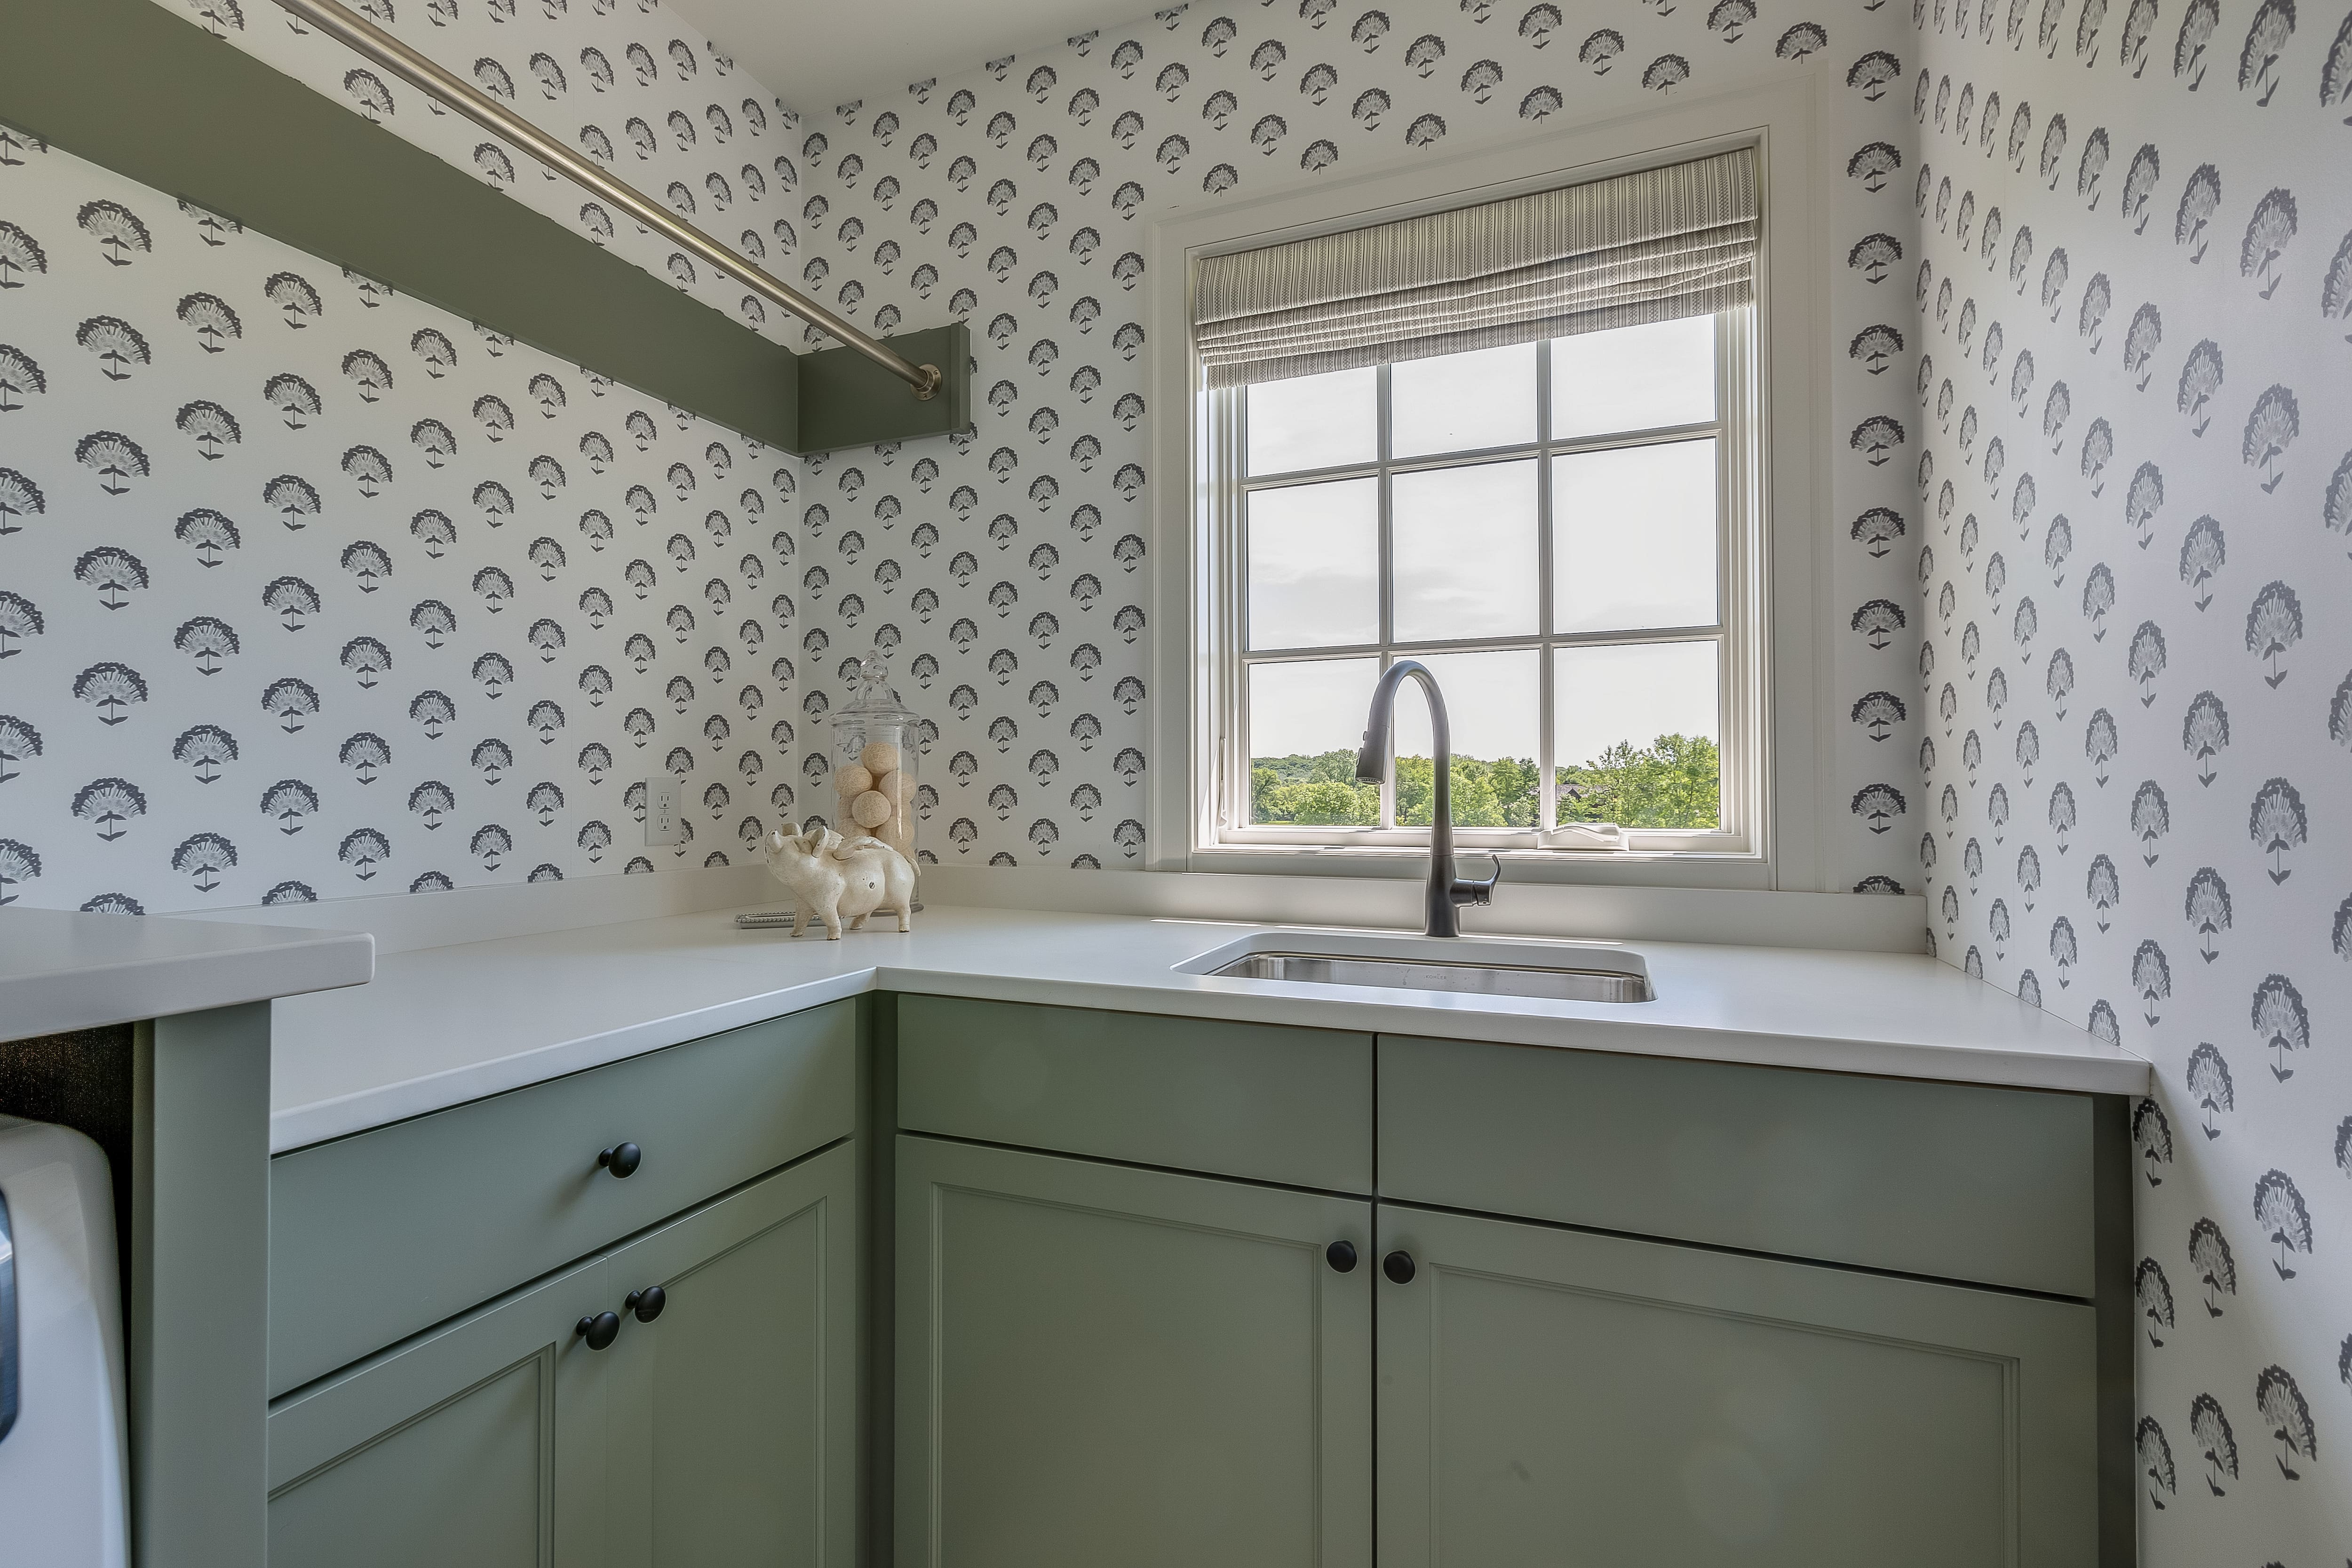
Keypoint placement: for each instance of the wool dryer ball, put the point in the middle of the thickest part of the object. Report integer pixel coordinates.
(871, 809)
(878, 758)
(851, 780)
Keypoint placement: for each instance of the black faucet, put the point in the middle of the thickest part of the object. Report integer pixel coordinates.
(1446, 888)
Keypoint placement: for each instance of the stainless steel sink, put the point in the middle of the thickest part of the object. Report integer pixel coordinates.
(1483, 979)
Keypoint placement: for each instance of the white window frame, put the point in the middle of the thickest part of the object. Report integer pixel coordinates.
(1772, 562)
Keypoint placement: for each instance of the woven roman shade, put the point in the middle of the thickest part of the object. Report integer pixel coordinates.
(1650, 247)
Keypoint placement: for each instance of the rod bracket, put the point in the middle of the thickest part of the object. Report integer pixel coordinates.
(929, 386)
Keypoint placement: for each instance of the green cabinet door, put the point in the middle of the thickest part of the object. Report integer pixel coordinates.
(1550, 1396)
(723, 1432)
(732, 1415)
(478, 1445)
(1100, 1365)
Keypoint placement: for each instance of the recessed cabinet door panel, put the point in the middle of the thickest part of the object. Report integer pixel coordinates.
(733, 1412)
(1103, 1365)
(1552, 1397)
(477, 1445)
(460, 1485)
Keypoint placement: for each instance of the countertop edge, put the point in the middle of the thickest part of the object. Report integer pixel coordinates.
(133, 988)
(324, 1121)
(2002, 1069)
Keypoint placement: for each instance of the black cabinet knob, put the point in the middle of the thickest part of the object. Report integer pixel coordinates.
(622, 1159)
(1398, 1267)
(647, 1303)
(600, 1330)
(1341, 1256)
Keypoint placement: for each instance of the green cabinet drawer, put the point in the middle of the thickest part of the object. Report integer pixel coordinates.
(1953, 1181)
(1236, 1099)
(377, 1236)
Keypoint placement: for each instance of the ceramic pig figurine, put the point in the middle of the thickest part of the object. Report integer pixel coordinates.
(840, 879)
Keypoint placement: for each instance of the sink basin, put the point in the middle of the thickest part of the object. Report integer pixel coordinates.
(1556, 972)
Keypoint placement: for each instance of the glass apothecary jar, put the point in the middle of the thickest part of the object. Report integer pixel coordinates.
(877, 749)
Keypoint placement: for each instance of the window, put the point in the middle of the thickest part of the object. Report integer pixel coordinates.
(1554, 528)
(1551, 527)
(1515, 441)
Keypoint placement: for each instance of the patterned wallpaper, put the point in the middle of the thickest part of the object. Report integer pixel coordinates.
(628, 82)
(1010, 567)
(1007, 571)
(2134, 363)
(309, 590)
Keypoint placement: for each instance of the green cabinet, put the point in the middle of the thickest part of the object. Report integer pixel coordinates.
(1102, 1364)
(732, 1417)
(1263, 1102)
(374, 1237)
(1738, 1323)
(720, 1433)
(466, 1448)
(1552, 1395)
(1123, 1285)
(466, 1484)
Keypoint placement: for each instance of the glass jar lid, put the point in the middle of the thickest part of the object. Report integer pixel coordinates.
(872, 698)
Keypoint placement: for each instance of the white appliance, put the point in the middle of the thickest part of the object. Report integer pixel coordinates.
(62, 1437)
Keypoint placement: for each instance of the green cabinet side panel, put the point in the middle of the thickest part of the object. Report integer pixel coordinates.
(198, 1276)
(1104, 1365)
(1554, 1396)
(2118, 1311)
(1236, 1099)
(377, 1236)
(847, 399)
(1953, 1181)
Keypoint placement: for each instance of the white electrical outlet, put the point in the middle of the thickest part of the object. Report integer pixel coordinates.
(663, 823)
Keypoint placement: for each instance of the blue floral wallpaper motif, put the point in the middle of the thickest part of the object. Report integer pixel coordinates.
(1006, 571)
(1016, 197)
(2135, 358)
(308, 590)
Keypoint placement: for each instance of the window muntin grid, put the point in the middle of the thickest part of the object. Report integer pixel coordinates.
(1726, 626)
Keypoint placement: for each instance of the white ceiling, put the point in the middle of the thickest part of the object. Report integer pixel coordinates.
(815, 54)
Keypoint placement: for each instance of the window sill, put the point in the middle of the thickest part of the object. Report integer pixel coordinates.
(1609, 868)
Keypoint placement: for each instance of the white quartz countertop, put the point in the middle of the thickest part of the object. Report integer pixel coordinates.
(60, 970)
(442, 1025)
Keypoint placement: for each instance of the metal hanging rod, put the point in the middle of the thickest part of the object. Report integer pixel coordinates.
(338, 21)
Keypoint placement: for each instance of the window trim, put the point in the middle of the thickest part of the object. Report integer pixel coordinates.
(1778, 695)
(1733, 630)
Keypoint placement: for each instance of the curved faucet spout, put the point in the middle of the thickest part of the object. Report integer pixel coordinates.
(1445, 890)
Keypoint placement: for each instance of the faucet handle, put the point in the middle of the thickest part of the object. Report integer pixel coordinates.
(1469, 891)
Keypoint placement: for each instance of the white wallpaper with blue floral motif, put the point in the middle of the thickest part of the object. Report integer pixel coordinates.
(2134, 375)
(1014, 197)
(309, 590)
